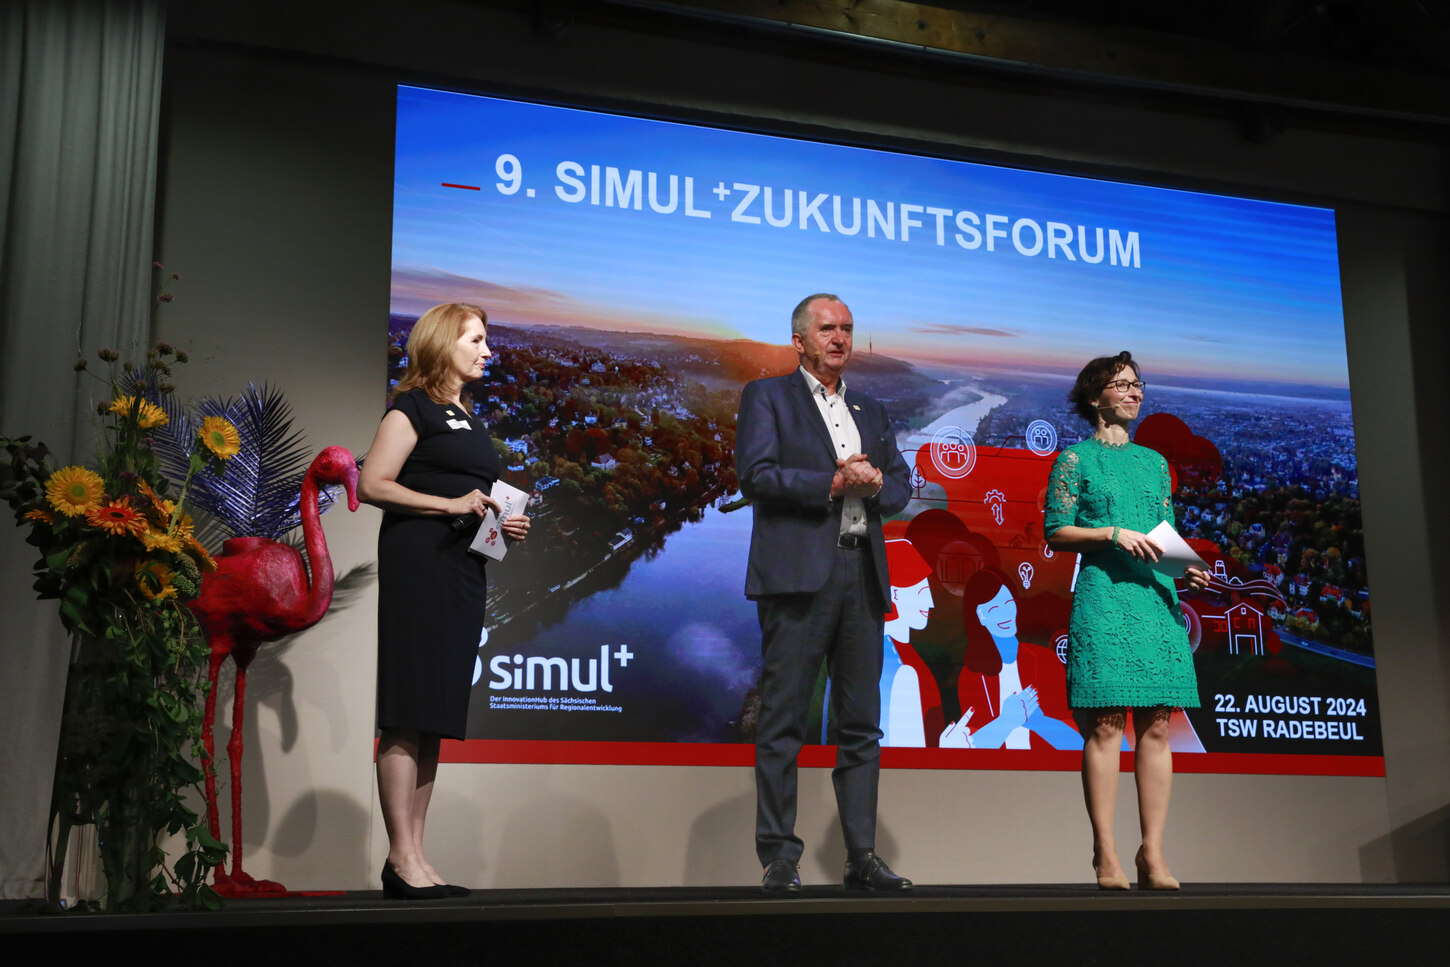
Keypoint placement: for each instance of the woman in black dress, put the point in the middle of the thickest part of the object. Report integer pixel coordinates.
(431, 464)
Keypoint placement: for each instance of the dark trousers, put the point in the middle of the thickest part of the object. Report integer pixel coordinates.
(841, 624)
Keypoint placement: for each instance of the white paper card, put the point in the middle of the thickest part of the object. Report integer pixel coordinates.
(490, 540)
(1177, 556)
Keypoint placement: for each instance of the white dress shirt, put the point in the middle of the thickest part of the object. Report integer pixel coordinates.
(845, 441)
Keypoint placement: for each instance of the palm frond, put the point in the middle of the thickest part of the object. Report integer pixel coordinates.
(172, 441)
(259, 493)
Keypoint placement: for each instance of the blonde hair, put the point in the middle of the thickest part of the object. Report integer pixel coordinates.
(430, 348)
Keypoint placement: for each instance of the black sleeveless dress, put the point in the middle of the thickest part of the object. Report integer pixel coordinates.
(431, 590)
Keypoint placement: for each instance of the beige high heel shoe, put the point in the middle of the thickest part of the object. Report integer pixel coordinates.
(1118, 881)
(1148, 880)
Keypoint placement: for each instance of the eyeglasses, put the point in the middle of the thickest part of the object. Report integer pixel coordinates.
(1123, 385)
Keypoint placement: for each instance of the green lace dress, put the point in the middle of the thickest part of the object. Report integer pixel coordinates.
(1127, 643)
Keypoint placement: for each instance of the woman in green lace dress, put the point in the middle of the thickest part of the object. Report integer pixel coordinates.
(1128, 650)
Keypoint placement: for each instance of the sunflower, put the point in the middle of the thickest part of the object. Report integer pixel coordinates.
(198, 553)
(154, 580)
(161, 532)
(40, 515)
(160, 539)
(74, 490)
(220, 437)
(152, 416)
(117, 518)
(184, 524)
(148, 414)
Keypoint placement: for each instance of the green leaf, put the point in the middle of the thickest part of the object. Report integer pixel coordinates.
(202, 835)
(186, 865)
(74, 618)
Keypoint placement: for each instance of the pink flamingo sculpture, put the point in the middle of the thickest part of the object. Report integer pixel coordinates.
(260, 592)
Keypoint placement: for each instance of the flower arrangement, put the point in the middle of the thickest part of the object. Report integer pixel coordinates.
(119, 553)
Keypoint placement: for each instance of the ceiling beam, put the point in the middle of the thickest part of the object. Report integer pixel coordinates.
(1117, 56)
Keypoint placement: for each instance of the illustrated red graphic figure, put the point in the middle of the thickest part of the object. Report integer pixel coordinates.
(911, 712)
(260, 592)
(1020, 686)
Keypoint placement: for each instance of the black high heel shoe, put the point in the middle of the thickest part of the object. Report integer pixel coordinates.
(397, 888)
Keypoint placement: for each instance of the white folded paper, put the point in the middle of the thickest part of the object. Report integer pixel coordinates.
(490, 541)
(1177, 556)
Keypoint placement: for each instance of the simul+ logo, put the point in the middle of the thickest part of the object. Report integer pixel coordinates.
(515, 673)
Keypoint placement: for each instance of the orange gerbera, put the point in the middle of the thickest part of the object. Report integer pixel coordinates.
(39, 515)
(157, 511)
(118, 518)
(74, 490)
(220, 437)
(145, 490)
(154, 580)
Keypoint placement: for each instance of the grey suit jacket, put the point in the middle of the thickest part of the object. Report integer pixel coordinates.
(784, 460)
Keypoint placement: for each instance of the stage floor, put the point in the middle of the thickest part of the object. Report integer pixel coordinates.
(1202, 923)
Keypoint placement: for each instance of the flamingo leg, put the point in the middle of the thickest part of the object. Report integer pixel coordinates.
(234, 759)
(240, 882)
(208, 740)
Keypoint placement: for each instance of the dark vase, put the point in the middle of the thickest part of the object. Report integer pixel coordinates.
(104, 777)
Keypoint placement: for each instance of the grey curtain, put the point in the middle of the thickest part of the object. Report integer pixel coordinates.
(80, 85)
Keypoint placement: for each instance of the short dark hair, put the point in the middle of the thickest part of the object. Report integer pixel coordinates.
(1090, 382)
(800, 317)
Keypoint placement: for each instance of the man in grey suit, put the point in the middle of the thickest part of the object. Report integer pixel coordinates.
(821, 467)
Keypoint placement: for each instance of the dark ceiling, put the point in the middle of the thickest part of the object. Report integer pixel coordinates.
(1398, 35)
(1328, 62)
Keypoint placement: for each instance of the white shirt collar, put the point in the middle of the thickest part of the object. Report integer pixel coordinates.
(818, 388)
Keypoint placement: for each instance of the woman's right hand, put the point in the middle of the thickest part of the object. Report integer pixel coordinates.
(1139, 545)
(475, 502)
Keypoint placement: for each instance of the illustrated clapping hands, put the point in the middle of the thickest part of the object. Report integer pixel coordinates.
(1019, 708)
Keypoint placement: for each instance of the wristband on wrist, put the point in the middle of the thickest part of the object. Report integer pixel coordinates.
(1114, 538)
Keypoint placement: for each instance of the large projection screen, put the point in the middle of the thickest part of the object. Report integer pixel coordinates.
(637, 273)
